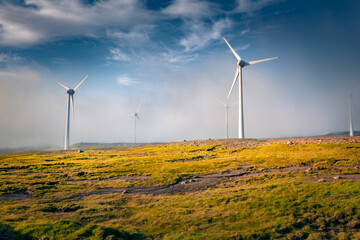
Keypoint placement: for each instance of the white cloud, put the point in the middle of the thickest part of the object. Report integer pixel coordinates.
(188, 8)
(125, 81)
(137, 35)
(248, 6)
(244, 47)
(201, 35)
(245, 31)
(176, 57)
(171, 56)
(26, 25)
(9, 58)
(117, 55)
(16, 75)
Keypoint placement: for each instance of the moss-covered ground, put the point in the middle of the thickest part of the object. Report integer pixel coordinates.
(289, 191)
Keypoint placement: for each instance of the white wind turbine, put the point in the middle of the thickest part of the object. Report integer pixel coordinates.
(136, 116)
(240, 65)
(227, 106)
(71, 93)
(351, 132)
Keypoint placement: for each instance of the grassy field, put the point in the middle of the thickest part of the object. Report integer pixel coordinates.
(216, 189)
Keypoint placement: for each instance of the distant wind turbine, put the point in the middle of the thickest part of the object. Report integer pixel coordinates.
(240, 65)
(71, 93)
(227, 106)
(351, 132)
(136, 116)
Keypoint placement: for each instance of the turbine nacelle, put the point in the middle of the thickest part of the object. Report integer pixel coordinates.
(70, 91)
(242, 63)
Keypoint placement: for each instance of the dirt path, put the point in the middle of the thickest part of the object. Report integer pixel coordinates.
(14, 196)
(213, 180)
(199, 183)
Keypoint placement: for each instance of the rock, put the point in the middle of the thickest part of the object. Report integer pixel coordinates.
(183, 183)
(336, 177)
(289, 143)
(80, 174)
(308, 169)
(356, 167)
(44, 238)
(123, 192)
(191, 180)
(29, 191)
(80, 151)
(321, 180)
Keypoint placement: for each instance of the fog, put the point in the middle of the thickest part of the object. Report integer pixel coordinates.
(181, 105)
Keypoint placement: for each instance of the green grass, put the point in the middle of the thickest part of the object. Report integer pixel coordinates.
(266, 206)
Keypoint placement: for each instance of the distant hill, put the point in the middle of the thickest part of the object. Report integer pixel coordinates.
(76, 146)
(342, 133)
(30, 149)
(105, 146)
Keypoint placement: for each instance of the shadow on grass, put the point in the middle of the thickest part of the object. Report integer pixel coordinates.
(99, 232)
(64, 229)
(8, 233)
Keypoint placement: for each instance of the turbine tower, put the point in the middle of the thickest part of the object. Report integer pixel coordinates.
(351, 132)
(71, 93)
(240, 65)
(227, 106)
(136, 116)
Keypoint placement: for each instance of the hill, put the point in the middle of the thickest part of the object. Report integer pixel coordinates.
(343, 133)
(301, 188)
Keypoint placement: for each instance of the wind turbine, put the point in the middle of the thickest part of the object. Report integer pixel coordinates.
(240, 65)
(227, 106)
(351, 132)
(71, 93)
(136, 116)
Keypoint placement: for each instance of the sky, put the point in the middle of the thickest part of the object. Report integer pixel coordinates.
(170, 55)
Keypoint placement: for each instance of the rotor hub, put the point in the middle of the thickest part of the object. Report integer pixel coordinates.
(71, 91)
(242, 63)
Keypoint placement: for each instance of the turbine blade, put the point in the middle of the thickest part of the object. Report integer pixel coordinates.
(80, 83)
(137, 111)
(235, 79)
(63, 86)
(233, 103)
(72, 105)
(221, 102)
(262, 60)
(233, 51)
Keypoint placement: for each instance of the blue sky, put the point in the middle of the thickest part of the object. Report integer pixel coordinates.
(170, 55)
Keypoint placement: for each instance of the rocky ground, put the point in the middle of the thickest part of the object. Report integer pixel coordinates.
(211, 181)
(204, 182)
